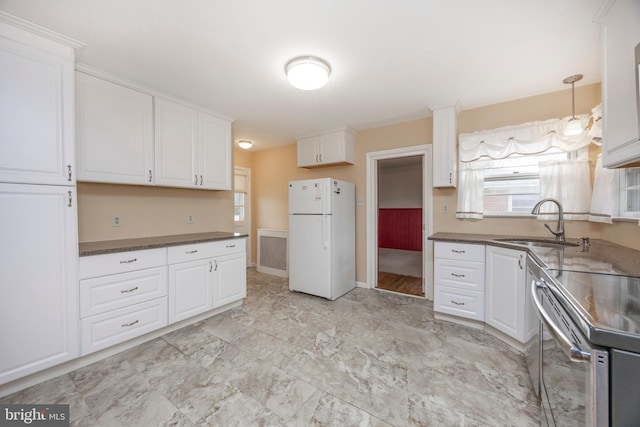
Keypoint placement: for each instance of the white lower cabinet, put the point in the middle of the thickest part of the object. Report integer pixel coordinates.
(204, 276)
(505, 305)
(230, 278)
(38, 287)
(122, 296)
(459, 280)
(190, 289)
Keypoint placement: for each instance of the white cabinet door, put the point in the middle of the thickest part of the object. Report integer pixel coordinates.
(230, 279)
(38, 287)
(115, 132)
(308, 151)
(190, 289)
(176, 145)
(505, 291)
(36, 110)
(327, 149)
(620, 36)
(445, 138)
(214, 154)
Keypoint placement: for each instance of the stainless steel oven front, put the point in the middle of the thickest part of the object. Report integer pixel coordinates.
(573, 375)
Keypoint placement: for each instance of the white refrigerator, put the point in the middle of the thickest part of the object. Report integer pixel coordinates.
(322, 237)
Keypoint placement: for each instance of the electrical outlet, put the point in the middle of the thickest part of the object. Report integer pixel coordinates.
(445, 208)
(116, 221)
(190, 218)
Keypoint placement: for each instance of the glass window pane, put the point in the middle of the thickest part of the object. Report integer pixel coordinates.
(238, 213)
(238, 199)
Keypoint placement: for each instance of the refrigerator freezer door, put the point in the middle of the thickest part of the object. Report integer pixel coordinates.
(312, 196)
(309, 259)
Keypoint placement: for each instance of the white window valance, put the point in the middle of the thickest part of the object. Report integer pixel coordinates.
(527, 138)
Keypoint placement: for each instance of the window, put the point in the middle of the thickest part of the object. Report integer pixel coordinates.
(238, 206)
(630, 193)
(512, 185)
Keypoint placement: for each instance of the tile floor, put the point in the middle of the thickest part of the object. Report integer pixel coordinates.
(369, 358)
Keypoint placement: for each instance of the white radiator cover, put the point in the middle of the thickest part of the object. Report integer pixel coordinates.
(273, 251)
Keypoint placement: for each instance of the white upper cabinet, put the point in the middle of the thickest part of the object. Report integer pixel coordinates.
(114, 132)
(215, 147)
(620, 41)
(445, 147)
(331, 148)
(192, 148)
(176, 144)
(37, 110)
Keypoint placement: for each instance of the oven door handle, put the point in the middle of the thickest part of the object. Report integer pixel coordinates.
(574, 353)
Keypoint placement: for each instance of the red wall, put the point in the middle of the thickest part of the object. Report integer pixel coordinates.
(400, 229)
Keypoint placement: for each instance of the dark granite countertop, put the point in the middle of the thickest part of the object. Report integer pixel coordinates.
(125, 245)
(601, 257)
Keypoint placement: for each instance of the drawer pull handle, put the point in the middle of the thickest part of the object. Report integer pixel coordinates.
(125, 291)
(191, 252)
(230, 246)
(126, 325)
(457, 275)
(129, 261)
(456, 302)
(458, 252)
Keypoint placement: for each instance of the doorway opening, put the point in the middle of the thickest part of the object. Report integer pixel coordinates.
(400, 225)
(242, 205)
(399, 220)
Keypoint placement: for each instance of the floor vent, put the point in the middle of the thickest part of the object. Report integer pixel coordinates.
(273, 247)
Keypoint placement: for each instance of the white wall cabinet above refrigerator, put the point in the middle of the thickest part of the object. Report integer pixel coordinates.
(114, 132)
(326, 149)
(620, 84)
(192, 148)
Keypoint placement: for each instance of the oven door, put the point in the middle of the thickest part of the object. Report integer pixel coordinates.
(574, 376)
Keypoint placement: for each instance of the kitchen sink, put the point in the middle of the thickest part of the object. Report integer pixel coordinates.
(543, 243)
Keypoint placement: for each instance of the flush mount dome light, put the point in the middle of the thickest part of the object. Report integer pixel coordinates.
(307, 72)
(243, 143)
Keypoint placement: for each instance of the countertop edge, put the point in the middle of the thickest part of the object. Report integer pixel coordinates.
(127, 245)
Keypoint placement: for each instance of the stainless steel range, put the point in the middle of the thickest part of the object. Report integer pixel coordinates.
(585, 364)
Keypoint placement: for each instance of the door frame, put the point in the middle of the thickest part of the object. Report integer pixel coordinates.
(246, 172)
(426, 151)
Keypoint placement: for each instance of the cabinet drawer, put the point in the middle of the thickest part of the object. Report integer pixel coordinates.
(204, 250)
(120, 262)
(113, 327)
(107, 293)
(459, 274)
(459, 251)
(458, 302)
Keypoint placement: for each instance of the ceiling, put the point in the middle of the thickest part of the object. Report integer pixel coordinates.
(391, 60)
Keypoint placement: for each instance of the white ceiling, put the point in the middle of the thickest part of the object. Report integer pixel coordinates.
(391, 60)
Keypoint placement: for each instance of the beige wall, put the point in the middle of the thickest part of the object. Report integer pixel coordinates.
(155, 211)
(149, 211)
(541, 107)
(275, 167)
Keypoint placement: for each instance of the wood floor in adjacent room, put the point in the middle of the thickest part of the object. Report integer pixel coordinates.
(399, 283)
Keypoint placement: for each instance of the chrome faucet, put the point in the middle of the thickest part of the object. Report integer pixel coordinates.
(559, 233)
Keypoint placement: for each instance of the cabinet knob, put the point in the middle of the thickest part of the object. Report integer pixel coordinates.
(126, 291)
(195, 177)
(70, 199)
(456, 302)
(129, 261)
(150, 176)
(457, 275)
(69, 168)
(200, 180)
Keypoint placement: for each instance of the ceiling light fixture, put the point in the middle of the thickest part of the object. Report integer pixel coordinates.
(307, 72)
(573, 126)
(244, 144)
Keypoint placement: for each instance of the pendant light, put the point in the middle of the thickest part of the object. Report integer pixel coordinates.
(573, 126)
(307, 72)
